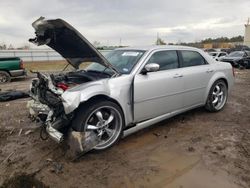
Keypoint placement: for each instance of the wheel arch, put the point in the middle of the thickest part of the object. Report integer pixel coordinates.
(99, 97)
(219, 76)
(103, 97)
(4, 70)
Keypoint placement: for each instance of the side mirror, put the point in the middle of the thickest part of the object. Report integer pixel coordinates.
(151, 67)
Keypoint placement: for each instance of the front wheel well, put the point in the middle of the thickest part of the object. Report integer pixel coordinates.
(101, 97)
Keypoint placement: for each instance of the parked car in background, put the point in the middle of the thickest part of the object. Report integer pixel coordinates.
(125, 91)
(217, 55)
(11, 67)
(237, 59)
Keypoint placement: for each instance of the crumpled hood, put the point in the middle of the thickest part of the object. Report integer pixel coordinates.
(67, 41)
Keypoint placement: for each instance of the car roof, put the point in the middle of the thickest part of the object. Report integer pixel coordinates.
(151, 48)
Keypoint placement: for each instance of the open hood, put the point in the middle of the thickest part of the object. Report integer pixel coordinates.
(67, 41)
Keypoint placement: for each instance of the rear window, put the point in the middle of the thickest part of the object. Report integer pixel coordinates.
(192, 58)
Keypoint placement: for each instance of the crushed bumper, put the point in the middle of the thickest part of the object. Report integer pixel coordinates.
(79, 142)
(37, 110)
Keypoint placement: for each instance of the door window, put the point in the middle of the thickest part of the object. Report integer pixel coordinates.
(166, 59)
(191, 58)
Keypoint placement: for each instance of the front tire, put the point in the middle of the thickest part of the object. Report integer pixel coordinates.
(217, 96)
(104, 118)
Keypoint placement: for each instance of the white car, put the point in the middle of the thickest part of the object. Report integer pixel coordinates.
(217, 55)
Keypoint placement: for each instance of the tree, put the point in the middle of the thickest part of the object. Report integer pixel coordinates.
(159, 41)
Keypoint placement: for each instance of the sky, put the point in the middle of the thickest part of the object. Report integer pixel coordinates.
(127, 22)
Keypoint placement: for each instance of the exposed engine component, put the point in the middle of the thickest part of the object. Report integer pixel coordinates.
(54, 133)
(46, 105)
(37, 110)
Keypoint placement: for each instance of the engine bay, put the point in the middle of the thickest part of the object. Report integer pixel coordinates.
(78, 77)
(47, 88)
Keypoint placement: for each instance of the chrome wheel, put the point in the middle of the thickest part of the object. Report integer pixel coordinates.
(106, 123)
(219, 95)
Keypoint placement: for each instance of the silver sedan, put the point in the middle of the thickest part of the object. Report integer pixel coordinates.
(125, 91)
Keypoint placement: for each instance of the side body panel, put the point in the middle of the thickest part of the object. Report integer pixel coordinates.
(196, 79)
(157, 93)
(161, 97)
(9, 64)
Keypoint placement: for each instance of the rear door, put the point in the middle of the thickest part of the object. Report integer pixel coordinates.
(197, 73)
(158, 93)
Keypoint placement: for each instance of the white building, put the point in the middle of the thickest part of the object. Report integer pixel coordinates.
(247, 34)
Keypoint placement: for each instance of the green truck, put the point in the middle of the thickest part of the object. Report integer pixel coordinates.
(11, 67)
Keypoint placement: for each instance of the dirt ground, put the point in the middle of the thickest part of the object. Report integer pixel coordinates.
(195, 149)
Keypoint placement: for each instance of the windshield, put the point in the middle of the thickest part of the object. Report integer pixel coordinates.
(122, 60)
(236, 54)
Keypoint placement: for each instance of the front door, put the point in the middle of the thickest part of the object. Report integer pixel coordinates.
(158, 93)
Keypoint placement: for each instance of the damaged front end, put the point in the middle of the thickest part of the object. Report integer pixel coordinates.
(46, 106)
(51, 104)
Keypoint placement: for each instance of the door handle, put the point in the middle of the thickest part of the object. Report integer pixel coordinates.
(210, 70)
(177, 76)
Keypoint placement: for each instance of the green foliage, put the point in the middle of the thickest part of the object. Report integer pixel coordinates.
(223, 39)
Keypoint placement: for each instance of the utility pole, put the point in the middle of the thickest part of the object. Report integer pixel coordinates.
(120, 42)
(247, 33)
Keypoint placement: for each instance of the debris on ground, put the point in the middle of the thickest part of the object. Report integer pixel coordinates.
(12, 130)
(196, 139)
(56, 168)
(20, 132)
(7, 158)
(157, 134)
(12, 95)
(28, 132)
(191, 149)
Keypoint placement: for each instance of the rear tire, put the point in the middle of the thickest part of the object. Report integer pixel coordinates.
(4, 77)
(217, 96)
(104, 118)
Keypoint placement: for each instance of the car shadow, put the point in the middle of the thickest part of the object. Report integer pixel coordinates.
(174, 121)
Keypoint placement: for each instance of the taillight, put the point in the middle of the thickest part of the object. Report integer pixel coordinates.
(63, 86)
(21, 64)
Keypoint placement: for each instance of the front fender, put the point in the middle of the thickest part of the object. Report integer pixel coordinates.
(73, 97)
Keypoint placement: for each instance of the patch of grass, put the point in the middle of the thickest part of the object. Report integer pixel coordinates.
(50, 65)
(45, 65)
